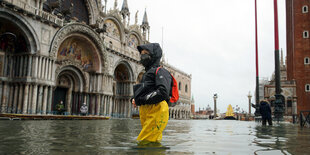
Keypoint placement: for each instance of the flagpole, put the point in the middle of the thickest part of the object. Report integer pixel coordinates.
(256, 57)
(279, 102)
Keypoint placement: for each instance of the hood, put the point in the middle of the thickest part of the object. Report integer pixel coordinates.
(155, 53)
(263, 103)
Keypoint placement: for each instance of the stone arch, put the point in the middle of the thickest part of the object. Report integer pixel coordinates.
(69, 84)
(81, 29)
(31, 37)
(139, 77)
(77, 74)
(119, 25)
(122, 88)
(128, 67)
(137, 35)
(92, 10)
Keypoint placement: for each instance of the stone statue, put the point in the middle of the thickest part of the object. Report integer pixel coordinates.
(115, 4)
(136, 17)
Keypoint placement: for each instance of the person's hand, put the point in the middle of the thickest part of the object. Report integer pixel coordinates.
(134, 103)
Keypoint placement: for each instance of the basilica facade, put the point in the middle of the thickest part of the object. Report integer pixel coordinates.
(74, 51)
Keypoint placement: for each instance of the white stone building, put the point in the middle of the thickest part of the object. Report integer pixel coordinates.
(73, 51)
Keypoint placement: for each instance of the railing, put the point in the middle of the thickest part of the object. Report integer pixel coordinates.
(35, 11)
(304, 118)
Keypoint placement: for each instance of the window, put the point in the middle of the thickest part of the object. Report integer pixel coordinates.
(186, 88)
(305, 9)
(306, 34)
(179, 85)
(307, 87)
(307, 61)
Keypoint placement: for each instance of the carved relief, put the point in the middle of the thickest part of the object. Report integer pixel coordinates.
(66, 31)
(133, 41)
(112, 29)
(79, 51)
(45, 38)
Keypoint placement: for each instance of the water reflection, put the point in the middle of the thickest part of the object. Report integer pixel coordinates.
(117, 136)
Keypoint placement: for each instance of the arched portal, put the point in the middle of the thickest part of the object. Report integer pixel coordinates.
(122, 90)
(69, 87)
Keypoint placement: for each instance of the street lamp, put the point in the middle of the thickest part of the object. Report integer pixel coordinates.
(215, 97)
(250, 96)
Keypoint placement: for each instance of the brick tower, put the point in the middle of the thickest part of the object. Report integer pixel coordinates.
(298, 49)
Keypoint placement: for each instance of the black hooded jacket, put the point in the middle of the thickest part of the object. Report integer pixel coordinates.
(265, 110)
(153, 88)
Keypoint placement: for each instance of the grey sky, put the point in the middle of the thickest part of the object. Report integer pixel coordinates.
(214, 41)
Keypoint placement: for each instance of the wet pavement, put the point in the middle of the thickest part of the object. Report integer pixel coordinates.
(117, 136)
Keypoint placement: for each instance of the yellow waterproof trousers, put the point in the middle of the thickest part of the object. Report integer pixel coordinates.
(154, 119)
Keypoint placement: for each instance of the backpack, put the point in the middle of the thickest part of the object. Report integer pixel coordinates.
(174, 94)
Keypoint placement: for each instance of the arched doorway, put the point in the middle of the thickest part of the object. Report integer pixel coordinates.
(69, 89)
(122, 91)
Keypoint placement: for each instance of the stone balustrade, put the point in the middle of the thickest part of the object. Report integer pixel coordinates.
(36, 11)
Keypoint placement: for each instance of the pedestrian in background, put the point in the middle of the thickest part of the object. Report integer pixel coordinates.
(265, 111)
(84, 109)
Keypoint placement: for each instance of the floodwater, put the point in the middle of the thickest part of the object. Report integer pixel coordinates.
(117, 136)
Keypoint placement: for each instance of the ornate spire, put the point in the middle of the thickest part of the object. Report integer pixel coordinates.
(125, 6)
(115, 4)
(145, 21)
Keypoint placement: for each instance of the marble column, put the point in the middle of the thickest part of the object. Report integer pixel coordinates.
(35, 67)
(4, 98)
(25, 67)
(25, 102)
(20, 99)
(10, 105)
(20, 73)
(30, 99)
(44, 100)
(39, 66)
(1, 92)
(50, 100)
(34, 99)
(29, 66)
(39, 103)
(15, 102)
(111, 105)
(46, 68)
(68, 104)
(43, 68)
(104, 105)
(129, 108)
(93, 104)
(98, 105)
(52, 71)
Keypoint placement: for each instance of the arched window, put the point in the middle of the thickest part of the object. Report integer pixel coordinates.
(186, 88)
(305, 9)
(179, 85)
(306, 61)
(306, 34)
(307, 87)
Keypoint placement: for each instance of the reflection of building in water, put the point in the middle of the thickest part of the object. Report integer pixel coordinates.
(288, 91)
(52, 51)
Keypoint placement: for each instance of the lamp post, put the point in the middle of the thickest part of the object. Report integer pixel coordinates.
(214, 97)
(250, 96)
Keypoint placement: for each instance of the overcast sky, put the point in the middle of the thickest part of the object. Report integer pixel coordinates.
(214, 40)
